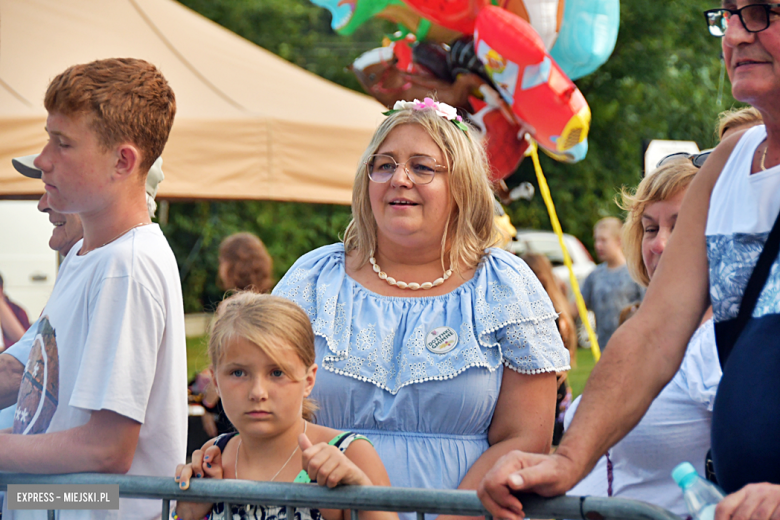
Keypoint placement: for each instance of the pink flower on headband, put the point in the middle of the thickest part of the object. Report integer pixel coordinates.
(426, 103)
(442, 109)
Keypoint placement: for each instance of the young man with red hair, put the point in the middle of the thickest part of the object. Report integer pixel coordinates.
(104, 385)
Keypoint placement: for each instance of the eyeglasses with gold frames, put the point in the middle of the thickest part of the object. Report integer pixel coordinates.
(421, 169)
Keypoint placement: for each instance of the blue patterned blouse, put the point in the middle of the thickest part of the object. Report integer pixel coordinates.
(425, 402)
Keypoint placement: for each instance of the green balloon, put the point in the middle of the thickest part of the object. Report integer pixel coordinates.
(348, 16)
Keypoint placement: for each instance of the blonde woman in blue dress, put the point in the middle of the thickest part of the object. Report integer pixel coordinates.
(440, 349)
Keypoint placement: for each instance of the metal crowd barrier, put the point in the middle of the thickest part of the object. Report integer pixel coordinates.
(355, 498)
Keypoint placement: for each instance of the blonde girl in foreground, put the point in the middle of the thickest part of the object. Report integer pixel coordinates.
(262, 354)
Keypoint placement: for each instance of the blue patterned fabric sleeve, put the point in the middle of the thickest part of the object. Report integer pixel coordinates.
(501, 315)
(527, 333)
(732, 259)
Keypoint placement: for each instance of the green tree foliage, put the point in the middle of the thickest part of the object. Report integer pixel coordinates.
(288, 230)
(662, 82)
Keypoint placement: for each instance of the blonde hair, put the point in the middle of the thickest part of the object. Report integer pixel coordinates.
(277, 326)
(662, 184)
(470, 229)
(736, 117)
(611, 225)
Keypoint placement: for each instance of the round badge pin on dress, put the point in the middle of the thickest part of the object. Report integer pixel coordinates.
(441, 340)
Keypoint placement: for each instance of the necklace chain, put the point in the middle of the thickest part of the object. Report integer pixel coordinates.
(126, 231)
(238, 449)
(403, 285)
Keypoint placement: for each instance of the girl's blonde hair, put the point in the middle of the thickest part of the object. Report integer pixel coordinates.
(662, 184)
(277, 326)
(470, 229)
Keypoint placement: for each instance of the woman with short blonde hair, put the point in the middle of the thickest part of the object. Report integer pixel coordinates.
(677, 425)
(662, 184)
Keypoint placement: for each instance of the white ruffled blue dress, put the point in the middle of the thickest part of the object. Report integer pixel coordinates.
(426, 411)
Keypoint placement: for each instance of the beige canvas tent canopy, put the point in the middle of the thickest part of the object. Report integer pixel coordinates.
(249, 124)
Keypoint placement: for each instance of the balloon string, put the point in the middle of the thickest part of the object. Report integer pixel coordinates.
(545, 189)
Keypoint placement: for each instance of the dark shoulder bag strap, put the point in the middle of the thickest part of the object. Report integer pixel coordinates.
(753, 290)
(727, 338)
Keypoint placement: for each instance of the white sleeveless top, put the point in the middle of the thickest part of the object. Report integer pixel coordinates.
(743, 208)
(675, 428)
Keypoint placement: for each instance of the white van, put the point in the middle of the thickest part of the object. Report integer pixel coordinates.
(27, 264)
(546, 243)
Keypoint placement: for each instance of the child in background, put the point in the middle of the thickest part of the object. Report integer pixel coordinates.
(262, 354)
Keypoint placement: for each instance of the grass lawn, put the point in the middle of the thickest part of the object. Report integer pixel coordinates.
(579, 375)
(197, 360)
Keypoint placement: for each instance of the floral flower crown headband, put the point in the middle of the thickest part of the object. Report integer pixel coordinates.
(443, 109)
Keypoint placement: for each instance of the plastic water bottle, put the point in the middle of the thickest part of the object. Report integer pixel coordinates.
(701, 496)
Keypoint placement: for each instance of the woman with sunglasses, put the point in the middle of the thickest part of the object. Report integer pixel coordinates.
(676, 427)
(723, 226)
(440, 349)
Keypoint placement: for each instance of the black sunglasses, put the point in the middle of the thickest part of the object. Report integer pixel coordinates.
(754, 18)
(696, 158)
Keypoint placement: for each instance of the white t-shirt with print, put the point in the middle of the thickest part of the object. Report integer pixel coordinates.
(20, 351)
(111, 337)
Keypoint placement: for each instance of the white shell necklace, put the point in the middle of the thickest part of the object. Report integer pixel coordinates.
(305, 424)
(403, 285)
